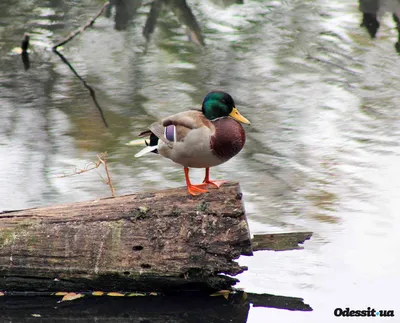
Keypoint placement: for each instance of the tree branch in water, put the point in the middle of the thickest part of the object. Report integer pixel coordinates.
(91, 91)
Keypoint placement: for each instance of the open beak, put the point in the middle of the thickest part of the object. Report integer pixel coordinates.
(238, 117)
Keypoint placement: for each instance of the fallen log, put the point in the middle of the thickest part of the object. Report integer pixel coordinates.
(160, 241)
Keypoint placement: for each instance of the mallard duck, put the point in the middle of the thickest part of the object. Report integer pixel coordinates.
(199, 138)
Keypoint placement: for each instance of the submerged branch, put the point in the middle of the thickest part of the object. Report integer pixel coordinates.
(25, 43)
(24, 52)
(70, 37)
(186, 17)
(152, 17)
(91, 91)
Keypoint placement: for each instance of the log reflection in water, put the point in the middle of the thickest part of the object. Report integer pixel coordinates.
(188, 307)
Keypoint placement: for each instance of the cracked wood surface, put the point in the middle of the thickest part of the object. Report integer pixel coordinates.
(163, 240)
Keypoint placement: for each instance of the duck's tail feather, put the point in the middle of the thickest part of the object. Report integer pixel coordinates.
(151, 147)
(146, 133)
(146, 150)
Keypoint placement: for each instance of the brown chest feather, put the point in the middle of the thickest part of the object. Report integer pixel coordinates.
(229, 138)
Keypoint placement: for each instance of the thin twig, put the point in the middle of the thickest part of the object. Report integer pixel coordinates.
(81, 29)
(93, 165)
(76, 171)
(103, 160)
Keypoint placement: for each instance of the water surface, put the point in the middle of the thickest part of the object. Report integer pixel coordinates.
(321, 155)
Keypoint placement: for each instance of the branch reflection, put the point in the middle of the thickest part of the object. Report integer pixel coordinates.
(372, 10)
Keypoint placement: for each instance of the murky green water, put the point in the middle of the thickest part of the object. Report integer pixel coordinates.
(322, 153)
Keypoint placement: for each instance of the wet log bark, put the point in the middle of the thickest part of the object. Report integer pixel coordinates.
(158, 241)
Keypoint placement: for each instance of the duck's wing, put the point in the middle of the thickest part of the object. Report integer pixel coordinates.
(191, 119)
(158, 130)
(146, 133)
(176, 127)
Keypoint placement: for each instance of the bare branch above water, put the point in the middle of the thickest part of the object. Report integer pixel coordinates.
(76, 32)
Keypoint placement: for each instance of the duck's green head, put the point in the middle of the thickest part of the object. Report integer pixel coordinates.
(219, 104)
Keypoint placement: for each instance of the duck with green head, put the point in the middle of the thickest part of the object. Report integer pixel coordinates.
(199, 139)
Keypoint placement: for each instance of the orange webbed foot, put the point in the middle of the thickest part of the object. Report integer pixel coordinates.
(197, 189)
(216, 183)
(194, 189)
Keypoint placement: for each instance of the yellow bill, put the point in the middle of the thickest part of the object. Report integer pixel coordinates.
(238, 117)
